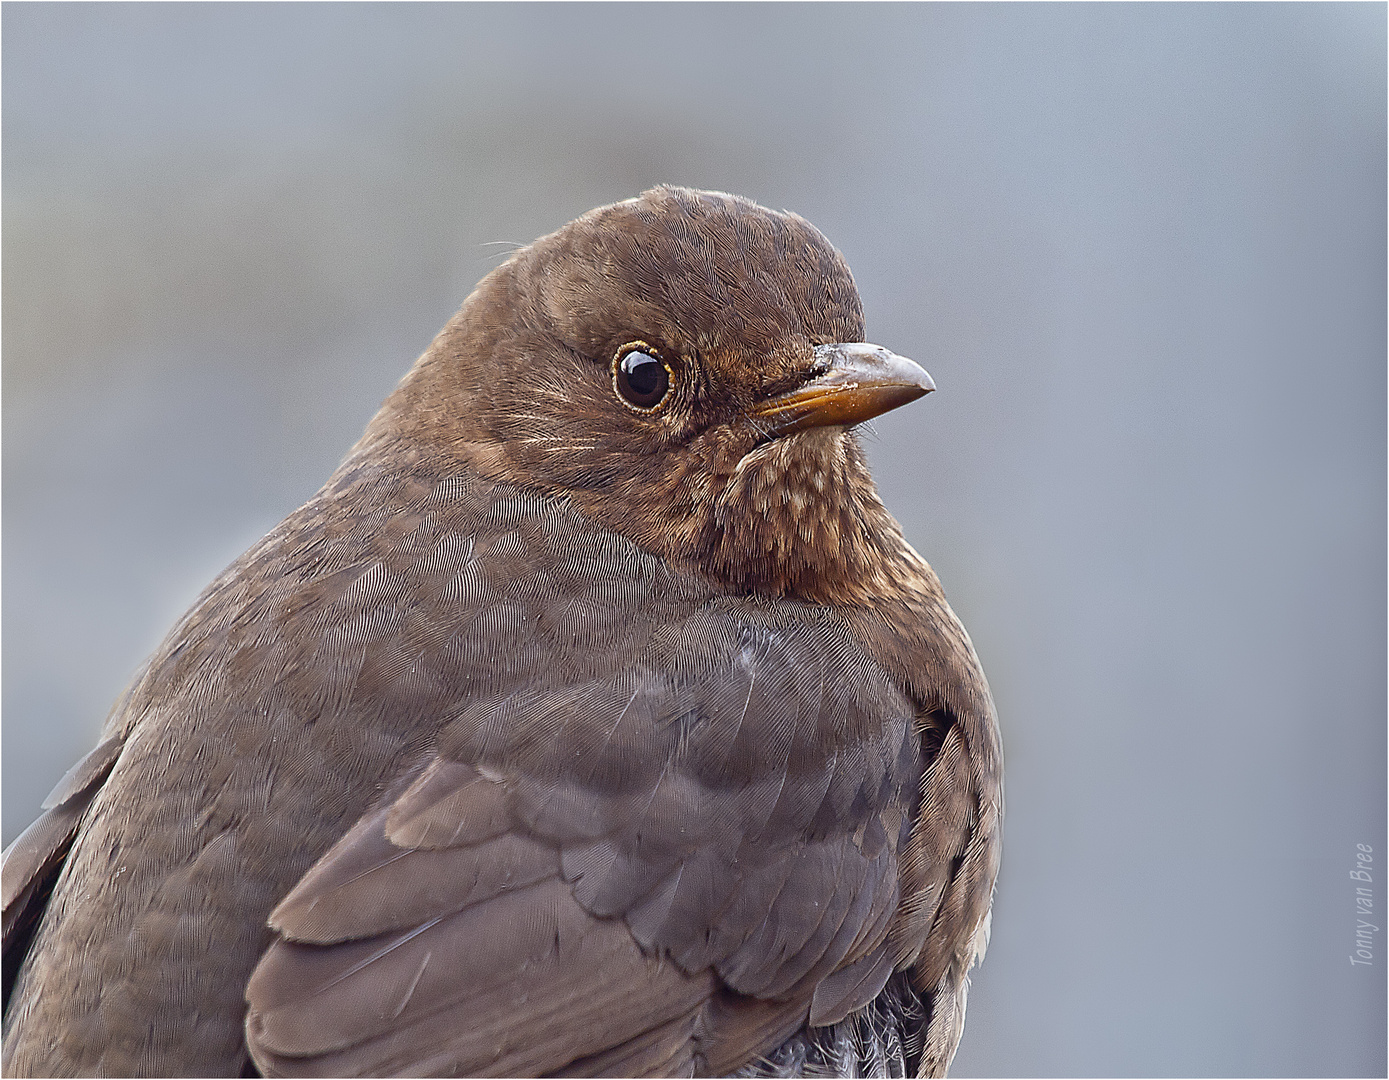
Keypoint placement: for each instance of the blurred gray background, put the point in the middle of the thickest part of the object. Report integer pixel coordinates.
(1140, 248)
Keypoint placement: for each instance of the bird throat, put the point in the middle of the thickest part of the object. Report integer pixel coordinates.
(800, 517)
(794, 517)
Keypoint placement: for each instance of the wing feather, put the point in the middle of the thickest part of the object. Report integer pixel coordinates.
(35, 857)
(505, 988)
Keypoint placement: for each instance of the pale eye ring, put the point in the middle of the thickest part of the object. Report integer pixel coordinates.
(640, 377)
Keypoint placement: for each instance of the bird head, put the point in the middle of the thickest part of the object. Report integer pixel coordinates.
(686, 367)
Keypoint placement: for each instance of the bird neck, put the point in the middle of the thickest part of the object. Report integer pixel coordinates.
(796, 517)
(800, 517)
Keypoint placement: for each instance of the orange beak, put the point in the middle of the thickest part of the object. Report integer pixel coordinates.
(852, 382)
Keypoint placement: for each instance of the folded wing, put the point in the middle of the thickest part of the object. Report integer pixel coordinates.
(666, 871)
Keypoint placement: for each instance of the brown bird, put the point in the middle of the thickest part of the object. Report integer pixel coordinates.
(595, 718)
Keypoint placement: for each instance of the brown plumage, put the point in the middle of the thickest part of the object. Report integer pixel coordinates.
(594, 719)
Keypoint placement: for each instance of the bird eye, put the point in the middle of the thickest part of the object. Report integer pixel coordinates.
(641, 378)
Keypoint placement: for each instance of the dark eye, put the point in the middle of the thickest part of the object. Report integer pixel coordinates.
(642, 380)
